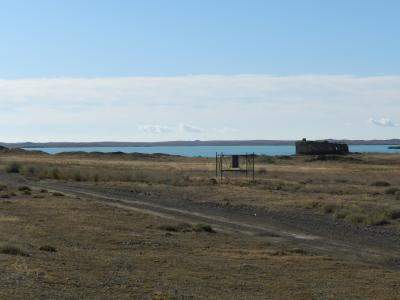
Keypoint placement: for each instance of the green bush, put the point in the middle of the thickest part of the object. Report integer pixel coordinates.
(377, 220)
(354, 218)
(393, 214)
(24, 188)
(341, 214)
(14, 167)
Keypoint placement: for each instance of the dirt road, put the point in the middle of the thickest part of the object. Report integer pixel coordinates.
(313, 233)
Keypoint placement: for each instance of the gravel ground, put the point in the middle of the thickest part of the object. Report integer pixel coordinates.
(317, 233)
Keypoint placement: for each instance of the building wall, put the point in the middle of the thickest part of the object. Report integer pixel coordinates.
(316, 148)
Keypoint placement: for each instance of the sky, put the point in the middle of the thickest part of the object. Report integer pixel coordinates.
(157, 70)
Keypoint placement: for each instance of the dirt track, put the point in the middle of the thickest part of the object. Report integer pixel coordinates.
(313, 233)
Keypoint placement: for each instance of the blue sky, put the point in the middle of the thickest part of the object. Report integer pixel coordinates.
(308, 53)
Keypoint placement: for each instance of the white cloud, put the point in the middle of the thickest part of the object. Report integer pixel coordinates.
(155, 129)
(189, 128)
(198, 107)
(383, 122)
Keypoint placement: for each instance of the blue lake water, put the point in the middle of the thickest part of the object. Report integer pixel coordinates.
(209, 151)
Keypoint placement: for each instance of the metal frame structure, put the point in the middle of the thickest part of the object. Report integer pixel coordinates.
(242, 163)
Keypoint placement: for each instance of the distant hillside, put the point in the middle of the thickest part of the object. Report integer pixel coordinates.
(188, 143)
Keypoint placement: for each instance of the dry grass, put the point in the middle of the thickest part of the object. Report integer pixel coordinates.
(363, 188)
(104, 252)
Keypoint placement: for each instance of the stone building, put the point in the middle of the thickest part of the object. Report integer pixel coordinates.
(305, 147)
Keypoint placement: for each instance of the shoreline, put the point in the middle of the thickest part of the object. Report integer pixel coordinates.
(389, 142)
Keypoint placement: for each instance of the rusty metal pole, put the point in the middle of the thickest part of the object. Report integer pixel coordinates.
(221, 159)
(253, 165)
(216, 165)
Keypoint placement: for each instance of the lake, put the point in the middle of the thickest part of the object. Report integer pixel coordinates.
(209, 151)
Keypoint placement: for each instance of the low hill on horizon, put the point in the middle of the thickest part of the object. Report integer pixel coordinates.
(188, 143)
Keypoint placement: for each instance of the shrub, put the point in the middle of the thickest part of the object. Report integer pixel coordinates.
(58, 194)
(31, 171)
(55, 173)
(168, 228)
(393, 214)
(13, 250)
(341, 214)
(182, 227)
(48, 248)
(392, 191)
(77, 176)
(14, 167)
(203, 228)
(381, 183)
(341, 180)
(213, 181)
(185, 227)
(299, 251)
(354, 218)
(330, 208)
(24, 188)
(96, 177)
(376, 220)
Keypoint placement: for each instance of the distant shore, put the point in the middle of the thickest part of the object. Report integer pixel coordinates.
(189, 143)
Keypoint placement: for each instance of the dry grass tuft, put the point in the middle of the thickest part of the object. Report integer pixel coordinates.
(185, 227)
(58, 194)
(381, 183)
(48, 248)
(14, 167)
(11, 249)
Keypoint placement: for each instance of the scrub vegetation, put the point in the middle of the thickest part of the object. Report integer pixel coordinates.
(66, 248)
(358, 189)
(55, 246)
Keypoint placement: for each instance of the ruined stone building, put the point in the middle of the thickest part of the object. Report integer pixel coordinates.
(320, 147)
